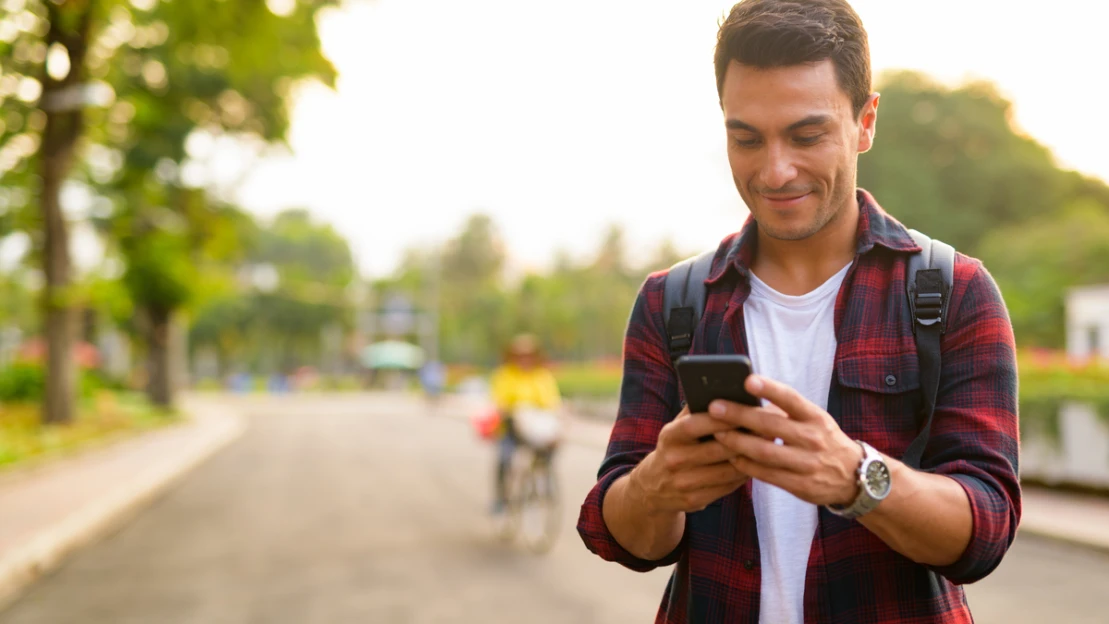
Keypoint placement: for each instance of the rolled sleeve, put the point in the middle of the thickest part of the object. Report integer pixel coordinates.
(648, 400)
(989, 539)
(594, 532)
(975, 436)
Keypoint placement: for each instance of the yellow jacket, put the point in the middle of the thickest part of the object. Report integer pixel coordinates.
(513, 386)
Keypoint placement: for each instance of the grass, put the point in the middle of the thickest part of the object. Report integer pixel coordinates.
(103, 417)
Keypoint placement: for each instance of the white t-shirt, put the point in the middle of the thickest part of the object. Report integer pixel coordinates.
(792, 340)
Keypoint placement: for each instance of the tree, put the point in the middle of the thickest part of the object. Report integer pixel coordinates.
(164, 69)
(1037, 262)
(203, 67)
(278, 325)
(477, 254)
(44, 91)
(611, 258)
(950, 163)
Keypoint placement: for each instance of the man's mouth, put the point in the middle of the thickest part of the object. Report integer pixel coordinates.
(783, 201)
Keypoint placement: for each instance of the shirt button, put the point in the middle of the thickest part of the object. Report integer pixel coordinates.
(891, 380)
(748, 565)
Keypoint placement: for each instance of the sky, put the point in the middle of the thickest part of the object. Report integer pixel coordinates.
(558, 119)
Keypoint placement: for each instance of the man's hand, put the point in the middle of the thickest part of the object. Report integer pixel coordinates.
(684, 474)
(816, 462)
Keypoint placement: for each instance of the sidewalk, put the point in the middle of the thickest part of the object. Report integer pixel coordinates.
(49, 511)
(1080, 519)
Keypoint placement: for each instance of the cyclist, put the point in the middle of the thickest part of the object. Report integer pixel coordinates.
(522, 382)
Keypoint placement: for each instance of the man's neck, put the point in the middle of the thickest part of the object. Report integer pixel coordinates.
(800, 266)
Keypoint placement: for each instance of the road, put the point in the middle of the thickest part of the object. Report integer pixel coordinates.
(368, 509)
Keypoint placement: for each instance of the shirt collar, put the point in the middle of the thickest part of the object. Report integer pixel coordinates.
(876, 228)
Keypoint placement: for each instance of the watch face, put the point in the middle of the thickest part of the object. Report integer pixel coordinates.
(877, 479)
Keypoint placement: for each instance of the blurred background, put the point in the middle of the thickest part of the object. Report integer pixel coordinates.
(309, 213)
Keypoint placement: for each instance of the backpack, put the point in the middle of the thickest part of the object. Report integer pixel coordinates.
(928, 285)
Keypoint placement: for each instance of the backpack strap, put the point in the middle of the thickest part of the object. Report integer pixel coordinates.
(928, 284)
(683, 301)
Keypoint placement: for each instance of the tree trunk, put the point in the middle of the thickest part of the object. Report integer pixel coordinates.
(159, 366)
(61, 371)
(61, 102)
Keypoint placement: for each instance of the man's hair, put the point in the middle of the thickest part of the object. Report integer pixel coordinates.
(781, 33)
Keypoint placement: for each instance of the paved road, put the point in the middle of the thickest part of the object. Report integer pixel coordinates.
(366, 510)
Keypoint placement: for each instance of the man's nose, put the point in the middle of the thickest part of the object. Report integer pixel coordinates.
(779, 169)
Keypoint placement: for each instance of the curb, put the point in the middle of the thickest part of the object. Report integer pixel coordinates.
(28, 562)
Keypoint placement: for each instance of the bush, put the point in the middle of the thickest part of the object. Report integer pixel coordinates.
(1049, 379)
(22, 382)
(26, 382)
(588, 380)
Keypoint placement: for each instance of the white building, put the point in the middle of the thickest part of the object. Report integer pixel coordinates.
(1081, 454)
(1088, 322)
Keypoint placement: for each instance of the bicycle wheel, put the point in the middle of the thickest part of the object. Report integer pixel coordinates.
(507, 525)
(537, 508)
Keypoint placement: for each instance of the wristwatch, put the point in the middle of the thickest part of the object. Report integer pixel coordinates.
(874, 485)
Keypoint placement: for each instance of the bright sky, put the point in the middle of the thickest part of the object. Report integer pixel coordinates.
(560, 118)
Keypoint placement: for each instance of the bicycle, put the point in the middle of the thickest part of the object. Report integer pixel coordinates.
(533, 509)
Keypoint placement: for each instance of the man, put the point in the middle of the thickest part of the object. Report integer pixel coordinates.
(775, 527)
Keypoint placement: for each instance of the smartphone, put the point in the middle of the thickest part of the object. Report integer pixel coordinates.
(705, 378)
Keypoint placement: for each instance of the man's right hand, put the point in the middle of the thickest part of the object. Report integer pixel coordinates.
(684, 474)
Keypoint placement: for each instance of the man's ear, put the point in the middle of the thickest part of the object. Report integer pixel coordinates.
(868, 122)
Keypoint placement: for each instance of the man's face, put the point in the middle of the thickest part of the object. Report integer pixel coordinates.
(793, 144)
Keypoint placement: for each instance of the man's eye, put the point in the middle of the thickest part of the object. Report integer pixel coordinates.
(746, 142)
(808, 140)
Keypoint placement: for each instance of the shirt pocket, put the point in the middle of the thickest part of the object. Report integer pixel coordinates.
(880, 399)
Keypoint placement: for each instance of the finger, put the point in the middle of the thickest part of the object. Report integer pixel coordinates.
(705, 497)
(767, 453)
(706, 477)
(689, 429)
(789, 400)
(766, 422)
(698, 454)
(792, 482)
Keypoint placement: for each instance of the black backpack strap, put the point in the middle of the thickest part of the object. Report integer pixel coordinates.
(928, 284)
(683, 301)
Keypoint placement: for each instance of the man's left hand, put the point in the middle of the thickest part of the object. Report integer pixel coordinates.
(816, 462)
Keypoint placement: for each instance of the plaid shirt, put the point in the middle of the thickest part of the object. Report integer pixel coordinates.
(852, 576)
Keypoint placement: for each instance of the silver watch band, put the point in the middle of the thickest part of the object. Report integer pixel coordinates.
(864, 502)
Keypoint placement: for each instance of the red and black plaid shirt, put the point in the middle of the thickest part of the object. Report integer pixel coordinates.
(852, 577)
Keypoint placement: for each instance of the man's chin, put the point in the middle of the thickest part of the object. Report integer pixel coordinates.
(788, 234)
(774, 226)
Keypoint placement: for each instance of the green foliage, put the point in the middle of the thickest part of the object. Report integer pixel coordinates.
(950, 163)
(592, 381)
(22, 382)
(578, 309)
(280, 328)
(159, 273)
(1048, 380)
(26, 382)
(1037, 262)
(17, 301)
(476, 255)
